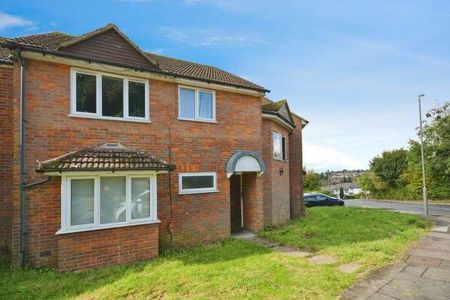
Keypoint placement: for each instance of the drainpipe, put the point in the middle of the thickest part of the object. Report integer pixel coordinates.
(22, 224)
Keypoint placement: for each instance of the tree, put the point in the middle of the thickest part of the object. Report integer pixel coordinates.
(341, 193)
(390, 166)
(437, 155)
(370, 182)
(311, 181)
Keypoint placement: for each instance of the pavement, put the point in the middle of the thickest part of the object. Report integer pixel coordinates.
(425, 272)
(416, 208)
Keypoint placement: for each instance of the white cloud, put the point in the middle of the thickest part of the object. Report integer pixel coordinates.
(12, 21)
(209, 38)
(322, 158)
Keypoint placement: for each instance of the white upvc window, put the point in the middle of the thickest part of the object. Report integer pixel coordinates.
(197, 183)
(108, 200)
(108, 96)
(279, 146)
(196, 104)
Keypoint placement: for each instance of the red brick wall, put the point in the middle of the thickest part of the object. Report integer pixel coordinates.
(195, 147)
(252, 191)
(267, 177)
(6, 155)
(280, 183)
(276, 186)
(296, 170)
(94, 249)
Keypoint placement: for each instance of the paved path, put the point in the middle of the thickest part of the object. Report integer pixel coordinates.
(417, 208)
(292, 251)
(424, 275)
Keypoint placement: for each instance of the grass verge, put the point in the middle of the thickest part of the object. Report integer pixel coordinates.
(238, 269)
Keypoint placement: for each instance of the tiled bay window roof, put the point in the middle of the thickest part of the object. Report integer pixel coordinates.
(106, 157)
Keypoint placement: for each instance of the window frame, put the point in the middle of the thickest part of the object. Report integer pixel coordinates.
(66, 180)
(212, 189)
(99, 96)
(284, 153)
(196, 104)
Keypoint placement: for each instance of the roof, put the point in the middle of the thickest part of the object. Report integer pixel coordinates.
(344, 185)
(63, 44)
(105, 157)
(279, 109)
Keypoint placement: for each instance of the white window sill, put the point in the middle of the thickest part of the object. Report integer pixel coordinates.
(198, 120)
(197, 192)
(109, 118)
(279, 159)
(110, 226)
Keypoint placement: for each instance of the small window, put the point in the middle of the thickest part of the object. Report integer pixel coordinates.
(112, 200)
(82, 205)
(136, 96)
(321, 198)
(187, 103)
(112, 97)
(140, 198)
(192, 183)
(98, 95)
(279, 146)
(205, 105)
(196, 104)
(86, 93)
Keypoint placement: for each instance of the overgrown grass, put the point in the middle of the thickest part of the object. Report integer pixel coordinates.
(368, 236)
(237, 269)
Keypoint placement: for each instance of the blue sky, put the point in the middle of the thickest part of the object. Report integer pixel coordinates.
(352, 68)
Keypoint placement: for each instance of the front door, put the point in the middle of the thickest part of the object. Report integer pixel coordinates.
(236, 203)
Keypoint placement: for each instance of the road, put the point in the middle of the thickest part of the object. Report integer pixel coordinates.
(434, 209)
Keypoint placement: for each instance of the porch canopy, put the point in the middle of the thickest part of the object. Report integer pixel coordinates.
(106, 157)
(245, 161)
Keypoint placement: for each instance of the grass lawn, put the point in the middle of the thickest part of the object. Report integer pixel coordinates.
(239, 269)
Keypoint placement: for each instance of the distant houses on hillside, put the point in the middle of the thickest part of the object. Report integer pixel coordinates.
(350, 189)
(344, 176)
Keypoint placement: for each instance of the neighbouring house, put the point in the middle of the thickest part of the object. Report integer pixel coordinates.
(109, 153)
(350, 189)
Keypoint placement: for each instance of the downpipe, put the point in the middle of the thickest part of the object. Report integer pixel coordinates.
(22, 212)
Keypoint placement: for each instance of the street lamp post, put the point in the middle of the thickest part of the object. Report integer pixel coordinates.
(424, 187)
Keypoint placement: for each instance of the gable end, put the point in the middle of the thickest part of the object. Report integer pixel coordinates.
(109, 45)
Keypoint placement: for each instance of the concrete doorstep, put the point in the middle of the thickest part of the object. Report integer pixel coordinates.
(425, 274)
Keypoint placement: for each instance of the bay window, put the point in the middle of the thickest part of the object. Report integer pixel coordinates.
(109, 96)
(196, 104)
(103, 201)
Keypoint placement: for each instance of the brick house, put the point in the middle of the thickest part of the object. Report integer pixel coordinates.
(109, 153)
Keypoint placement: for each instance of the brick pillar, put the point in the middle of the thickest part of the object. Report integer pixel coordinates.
(252, 193)
(296, 170)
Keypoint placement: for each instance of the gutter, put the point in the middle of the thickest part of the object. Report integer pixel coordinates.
(22, 224)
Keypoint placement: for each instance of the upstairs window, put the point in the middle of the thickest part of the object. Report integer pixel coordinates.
(279, 146)
(196, 104)
(109, 96)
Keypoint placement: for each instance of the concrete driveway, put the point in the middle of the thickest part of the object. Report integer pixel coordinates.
(416, 208)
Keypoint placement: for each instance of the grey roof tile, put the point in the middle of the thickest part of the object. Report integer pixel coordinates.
(106, 157)
(54, 40)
